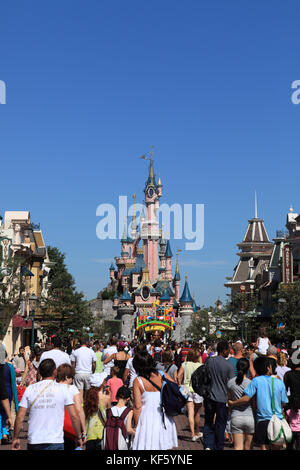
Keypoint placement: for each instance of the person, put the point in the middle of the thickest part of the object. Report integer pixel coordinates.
(238, 353)
(19, 361)
(167, 365)
(119, 359)
(153, 430)
(262, 342)
(96, 403)
(282, 367)
(292, 384)
(194, 403)
(114, 383)
(65, 375)
(129, 372)
(242, 419)
(45, 401)
(9, 376)
(58, 356)
(108, 351)
(84, 360)
(123, 397)
(203, 354)
(215, 405)
(98, 351)
(261, 388)
(184, 351)
(177, 355)
(29, 375)
(272, 355)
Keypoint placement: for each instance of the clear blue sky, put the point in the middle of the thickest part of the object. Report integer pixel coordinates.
(92, 84)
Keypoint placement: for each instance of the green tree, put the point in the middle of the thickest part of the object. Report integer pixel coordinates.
(199, 321)
(243, 309)
(65, 308)
(287, 299)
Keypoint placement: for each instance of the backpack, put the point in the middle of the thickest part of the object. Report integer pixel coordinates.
(201, 380)
(114, 435)
(278, 431)
(172, 397)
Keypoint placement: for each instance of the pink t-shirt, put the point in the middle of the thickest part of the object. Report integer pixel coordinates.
(114, 384)
(294, 419)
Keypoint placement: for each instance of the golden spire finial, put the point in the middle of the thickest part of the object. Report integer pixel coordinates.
(159, 180)
(186, 277)
(151, 172)
(177, 263)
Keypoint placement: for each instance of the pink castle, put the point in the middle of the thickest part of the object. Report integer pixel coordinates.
(147, 298)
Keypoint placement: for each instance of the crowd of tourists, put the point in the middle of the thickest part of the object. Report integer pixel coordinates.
(118, 395)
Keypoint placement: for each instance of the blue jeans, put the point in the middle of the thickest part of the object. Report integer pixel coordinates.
(45, 446)
(213, 433)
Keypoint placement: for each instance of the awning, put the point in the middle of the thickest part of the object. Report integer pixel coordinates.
(20, 322)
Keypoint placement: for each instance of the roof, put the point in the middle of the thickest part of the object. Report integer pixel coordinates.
(186, 295)
(168, 252)
(126, 295)
(256, 232)
(165, 295)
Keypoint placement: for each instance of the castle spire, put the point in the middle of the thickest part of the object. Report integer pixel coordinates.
(255, 205)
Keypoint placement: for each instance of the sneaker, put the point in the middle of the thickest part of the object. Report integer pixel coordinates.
(198, 436)
(207, 448)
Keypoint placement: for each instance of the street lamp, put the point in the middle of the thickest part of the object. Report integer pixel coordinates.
(33, 301)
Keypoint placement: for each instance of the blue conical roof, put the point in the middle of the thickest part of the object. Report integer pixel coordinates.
(168, 252)
(186, 295)
(126, 295)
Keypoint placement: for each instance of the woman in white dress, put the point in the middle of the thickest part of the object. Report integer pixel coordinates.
(152, 431)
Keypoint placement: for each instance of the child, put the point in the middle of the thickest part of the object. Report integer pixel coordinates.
(114, 383)
(95, 405)
(123, 396)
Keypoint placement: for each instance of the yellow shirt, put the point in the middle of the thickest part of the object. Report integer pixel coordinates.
(94, 426)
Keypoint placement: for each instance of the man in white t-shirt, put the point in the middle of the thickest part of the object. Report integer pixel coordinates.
(84, 360)
(46, 401)
(58, 356)
(111, 349)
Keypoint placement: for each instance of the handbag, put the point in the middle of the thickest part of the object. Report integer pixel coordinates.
(279, 432)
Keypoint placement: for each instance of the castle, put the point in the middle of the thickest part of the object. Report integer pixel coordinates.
(147, 299)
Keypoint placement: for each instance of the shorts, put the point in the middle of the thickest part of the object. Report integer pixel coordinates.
(242, 424)
(195, 398)
(261, 433)
(82, 381)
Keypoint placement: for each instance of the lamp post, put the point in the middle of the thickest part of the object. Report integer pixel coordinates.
(33, 301)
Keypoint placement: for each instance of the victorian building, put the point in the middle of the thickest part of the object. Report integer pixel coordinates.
(25, 267)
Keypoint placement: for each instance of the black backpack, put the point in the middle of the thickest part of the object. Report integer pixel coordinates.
(172, 398)
(201, 380)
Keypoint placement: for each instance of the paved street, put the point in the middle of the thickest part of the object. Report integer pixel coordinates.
(184, 436)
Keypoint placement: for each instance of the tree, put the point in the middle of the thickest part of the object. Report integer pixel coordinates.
(243, 309)
(287, 299)
(199, 321)
(65, 308)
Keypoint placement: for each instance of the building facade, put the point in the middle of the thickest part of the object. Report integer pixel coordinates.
(25, 268)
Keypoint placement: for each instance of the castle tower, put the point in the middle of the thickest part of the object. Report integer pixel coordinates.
(186, 309)
(150, 226)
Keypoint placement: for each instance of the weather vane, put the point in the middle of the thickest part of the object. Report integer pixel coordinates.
(144, 157)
